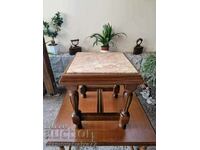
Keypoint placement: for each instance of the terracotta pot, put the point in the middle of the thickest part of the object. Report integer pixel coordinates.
(105, 48)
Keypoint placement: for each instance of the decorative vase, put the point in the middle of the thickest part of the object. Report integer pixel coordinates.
(53, 48)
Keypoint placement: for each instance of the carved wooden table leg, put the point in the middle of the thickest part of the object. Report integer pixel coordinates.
(62, 148)
(74, 99)
(83, 90)
(116, 90)
(124, 114)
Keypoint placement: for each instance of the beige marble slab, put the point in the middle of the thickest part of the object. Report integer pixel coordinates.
(98, 62)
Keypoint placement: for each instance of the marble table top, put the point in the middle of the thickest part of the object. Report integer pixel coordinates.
(98, 62)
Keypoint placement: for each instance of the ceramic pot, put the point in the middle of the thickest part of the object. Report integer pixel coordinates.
(104, 48)
(53, 48)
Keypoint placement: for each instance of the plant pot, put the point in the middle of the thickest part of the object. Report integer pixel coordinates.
(53, 49)
(104, 48)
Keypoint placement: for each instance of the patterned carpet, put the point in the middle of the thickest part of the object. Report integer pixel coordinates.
(51, 105)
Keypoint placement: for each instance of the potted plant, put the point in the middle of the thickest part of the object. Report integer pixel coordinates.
(51, 30)
(148, 72)
(106, 37)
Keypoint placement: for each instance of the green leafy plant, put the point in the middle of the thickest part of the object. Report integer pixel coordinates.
(148, 70)
(52, 28)
(106, 37)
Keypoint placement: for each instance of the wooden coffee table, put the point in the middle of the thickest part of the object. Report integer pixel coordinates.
(139, 131)
(100, 69)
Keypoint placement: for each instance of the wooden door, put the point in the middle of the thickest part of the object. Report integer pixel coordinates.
(48, 77)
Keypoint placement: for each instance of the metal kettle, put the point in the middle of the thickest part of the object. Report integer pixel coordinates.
(138, 49)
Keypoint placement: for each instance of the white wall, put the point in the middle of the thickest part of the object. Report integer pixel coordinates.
(136, 18)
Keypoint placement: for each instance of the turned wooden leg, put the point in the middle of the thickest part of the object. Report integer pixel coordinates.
(124, 114)
(116, 89)
(83, 90)
(76, 115)
(99, 101)
(62, 148)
